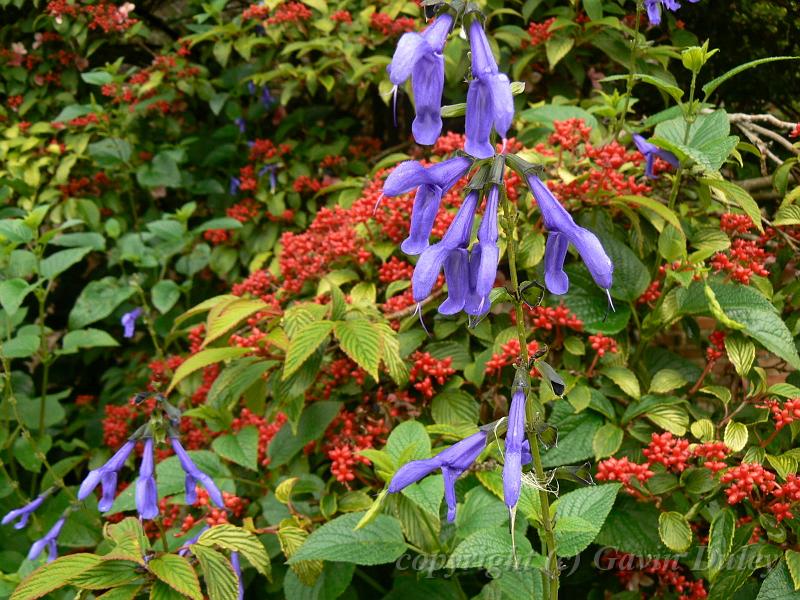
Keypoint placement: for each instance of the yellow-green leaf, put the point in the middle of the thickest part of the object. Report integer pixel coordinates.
(303, 344)
(735, 436)
(361, 341)
(177, 572)
(674, 530)
(203, 359)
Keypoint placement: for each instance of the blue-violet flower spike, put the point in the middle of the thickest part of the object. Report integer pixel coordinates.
(563, 231)
(650, 151)
(419, 56)
(490, 102)
(237, 568)
(484, 258)
(107, 476)
(146, 491)
(193, 475)
(49, 541)
(128, 321)
(23, 513)
(453, 462)
(515, 436)
(654, 8)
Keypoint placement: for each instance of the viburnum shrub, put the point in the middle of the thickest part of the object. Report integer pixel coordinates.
(306, 299)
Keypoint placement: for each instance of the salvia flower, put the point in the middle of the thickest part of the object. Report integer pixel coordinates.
(146, 491)
(107, 477)
(184, 550)
(128, 321)
(484, 258)
(653, 8)
(49, 541)
(237, 568)
(453, 462)
(419, 56)
(515, 437)
(193, 475)
(241, 124)
(490, 102)
(233, 186)
(431, 184)
(450, 253)
(563, 231)
(271, 169)
(23, 513)
(650, 152)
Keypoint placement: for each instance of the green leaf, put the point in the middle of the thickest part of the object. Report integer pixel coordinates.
(164, 295)
(54, 575)
(788, 215)
(739, 196)
(58, 262)
(13, 293)
(86, 338)
(735, 436)
(665, 86)
(177, 573)
(378, 542)
(408, 441)
(709, 144)
(632, 527)
(674, 530)
(218, 573)
(590, 305)
(591, 505)
(110, 152)
(22, 345)
(241, 447)
(360, 340)
(239, 540)
(203, 359)
(557, 48)
(741, 352)
(481, 510)
(625, 380)
(454, 407)
(631, 277)
(108, 574)
(654, 205)
(720, 541)
(576, 434)
(703, 430)
(778, 585)
(492, 549)
(162, 171)
(792, 558)
(304, 343)
(607, 440)
(226, 314)
(311, 426)
(712, 85)
(666, 380)
(98, 300)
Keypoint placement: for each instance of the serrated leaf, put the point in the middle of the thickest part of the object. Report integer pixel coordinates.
(238, 540)
(240, 447)
(221, 580)
(625, 380)
(177, 572)
(224, 316)
(454, 407)
(741, 352)
(666, 380)
(108, 574)
(361, 341)
(674, 530)
(739, 196)
(720, 541)
(654, 205)
(779, 585)
(703, 430)
(712, 85)
(591, 505)
(303, 344)
(735, 436)
(164, 295)
(792, 558)
(557, 48)
(54, 575)
(607, 440)
(203, 359)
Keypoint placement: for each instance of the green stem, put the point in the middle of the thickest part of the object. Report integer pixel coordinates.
(631, 72)
(550, 578)
(676, 184)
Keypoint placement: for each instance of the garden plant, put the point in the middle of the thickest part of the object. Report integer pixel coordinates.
(391, 299)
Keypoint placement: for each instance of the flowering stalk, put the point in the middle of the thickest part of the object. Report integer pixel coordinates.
(629, 83)
(550, 579)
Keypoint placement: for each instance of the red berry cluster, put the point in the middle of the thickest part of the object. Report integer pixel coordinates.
(448, 143)
(339, 372)
(623, 470)
(716, 349)
(714, 453)
(216, 236)
(602, 344)
(304, 184)
(342, 16)
(388, 26)
(784, 414)
(266, 430)
(508, 355)
(349, 433)
(260, 284)
(290, 12)
(732, 223)
(244, 211)
(556, 318)
(103, 15)
(671, 452)
(671, 577)
(539, 32)
(395, 270)
(743, 259)
(568, 134)
(427, 369)
(651, 294)
(743, 477)
(795, 133)
(255, 11)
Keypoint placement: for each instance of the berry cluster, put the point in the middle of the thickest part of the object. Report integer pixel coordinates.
(602, 344)
(349, 433)
(742, 260)
(539, 33)
(556, 318)
(623, 470)
(266, 430)
(386, 25)
(395, 270)
(671, 577)
(427, 369)
(784, 414)
(716, 348)
(290, 12)
(714, 453)
(671, 452)
(732, 223)
(651, 294)
(508, 355)
(569, 134)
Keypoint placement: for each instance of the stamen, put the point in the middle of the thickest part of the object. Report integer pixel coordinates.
(377, 204)
(418, 312)
(394, 104)
(610, 306)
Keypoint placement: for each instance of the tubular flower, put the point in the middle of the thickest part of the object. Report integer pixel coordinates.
(515, 437)
(650, 151)
(431, 184)
(453, 462)
(237, 568)
(48, 541)
(489, 99)
(654, 8)
(128, 321)
(146, 491)
(23, 513)
(564, 230)
(419, 56)
(450, 253)
(107, 476)
(484, 258)
(193, 475)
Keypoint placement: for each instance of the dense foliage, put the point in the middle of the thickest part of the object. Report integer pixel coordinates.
(207, 316)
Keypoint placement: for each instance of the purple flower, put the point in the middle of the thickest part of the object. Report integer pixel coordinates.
(193, 475)
(49, 541)
(128, 321)
(431, 184)
(650, 151)
(450, 253)
(107, 476)
(453, 462)
(564, 230)
(192, 540)
(23, 513)
(419, 56)
(266, 98)
(251, 87)
(273, 182)
(146, 491)
(237, 568)
(484, 258)
(241, 124)
(515, 437)
(654, 8)
(489, 99)
(233, 186)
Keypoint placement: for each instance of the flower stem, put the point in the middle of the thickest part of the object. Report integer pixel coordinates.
(629, 83)
(550, 578)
